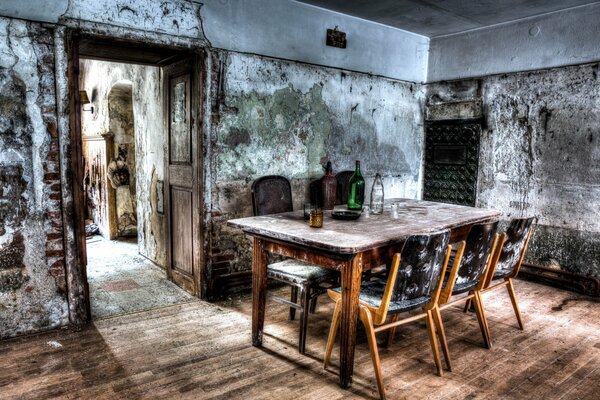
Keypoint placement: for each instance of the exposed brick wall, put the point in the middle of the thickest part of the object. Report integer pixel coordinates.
(53, 225)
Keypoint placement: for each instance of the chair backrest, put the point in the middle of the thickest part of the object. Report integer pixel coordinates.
(316, 192)
(421, 264)
(515, 245)
(477, 252)
(342, 178)
(271, 194)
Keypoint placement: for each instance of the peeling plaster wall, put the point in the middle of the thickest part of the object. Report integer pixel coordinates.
(33, 293)
(540, 155)
(288, 119)
(555, 39)
(100, 78)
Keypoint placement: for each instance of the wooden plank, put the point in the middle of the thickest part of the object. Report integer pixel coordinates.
(201, 350)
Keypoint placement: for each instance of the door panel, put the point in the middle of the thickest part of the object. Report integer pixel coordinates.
(181, 211)
(183, 178)
(180, 135)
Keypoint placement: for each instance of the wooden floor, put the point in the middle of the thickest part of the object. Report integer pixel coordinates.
(202, 351)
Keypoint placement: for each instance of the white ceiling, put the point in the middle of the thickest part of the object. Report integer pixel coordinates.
(433, 18)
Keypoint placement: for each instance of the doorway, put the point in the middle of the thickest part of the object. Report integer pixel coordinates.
(132, 125)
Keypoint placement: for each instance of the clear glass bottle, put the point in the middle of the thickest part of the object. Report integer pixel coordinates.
(377, 195)
(356, 189)
(328, 188)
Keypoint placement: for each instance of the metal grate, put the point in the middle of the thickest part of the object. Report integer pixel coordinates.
(451, 161)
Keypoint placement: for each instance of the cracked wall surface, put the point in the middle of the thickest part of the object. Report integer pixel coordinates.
(32, 274)
(286, 118)
(540, 155)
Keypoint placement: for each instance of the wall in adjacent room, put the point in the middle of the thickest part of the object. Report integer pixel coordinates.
(540, 155)
(142, 137)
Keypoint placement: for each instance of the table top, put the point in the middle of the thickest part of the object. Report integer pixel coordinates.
(367, 232)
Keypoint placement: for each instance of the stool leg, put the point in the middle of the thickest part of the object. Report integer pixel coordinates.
(313, 304)
(293, 299)
(305, 303)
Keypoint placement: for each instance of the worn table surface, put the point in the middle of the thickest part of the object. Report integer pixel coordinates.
(367, 232)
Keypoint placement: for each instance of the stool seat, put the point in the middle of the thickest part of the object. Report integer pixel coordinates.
(299, 272)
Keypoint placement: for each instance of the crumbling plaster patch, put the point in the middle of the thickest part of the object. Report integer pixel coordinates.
(39, 302)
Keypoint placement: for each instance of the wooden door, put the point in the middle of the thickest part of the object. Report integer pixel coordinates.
(183, 177)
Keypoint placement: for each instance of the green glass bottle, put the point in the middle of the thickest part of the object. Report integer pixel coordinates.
(356, 189)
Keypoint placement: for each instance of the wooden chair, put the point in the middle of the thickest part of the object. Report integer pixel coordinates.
(270, 195)
(472, 259)
(507, 261)
(414, 281)
(343, 178)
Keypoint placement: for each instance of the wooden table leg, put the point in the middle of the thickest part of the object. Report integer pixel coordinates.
(351, 281)
(259, 289)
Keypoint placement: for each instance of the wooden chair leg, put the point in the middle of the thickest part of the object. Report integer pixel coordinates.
(305, 302)
(365, 317)
(437, 318)
(483, 325)
(513, 298)
(433, 342)
(313, 304)
(293, 299)
(335, 323)
(392, 331)
(468, 305)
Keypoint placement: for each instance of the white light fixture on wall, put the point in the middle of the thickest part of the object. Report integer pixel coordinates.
(84, 100)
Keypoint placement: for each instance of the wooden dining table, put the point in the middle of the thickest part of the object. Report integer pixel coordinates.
(350, 247)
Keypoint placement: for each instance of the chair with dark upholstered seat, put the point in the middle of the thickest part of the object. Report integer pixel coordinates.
(508, 259)
(467, 276)
(414, 282)
(271, 195)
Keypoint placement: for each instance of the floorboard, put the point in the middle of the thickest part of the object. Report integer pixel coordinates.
(199, 350)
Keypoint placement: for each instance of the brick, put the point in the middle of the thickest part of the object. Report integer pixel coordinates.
(58, 264)
(51, 176)
(57, 272)
(52, 128)
(55, 235)
(56, 225)
(52, 156)
(55, 253)
(54, 196)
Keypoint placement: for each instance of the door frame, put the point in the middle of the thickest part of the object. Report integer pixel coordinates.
(73, 42)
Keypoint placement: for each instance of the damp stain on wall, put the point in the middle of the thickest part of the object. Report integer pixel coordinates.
(12, 269)
(287, 130)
